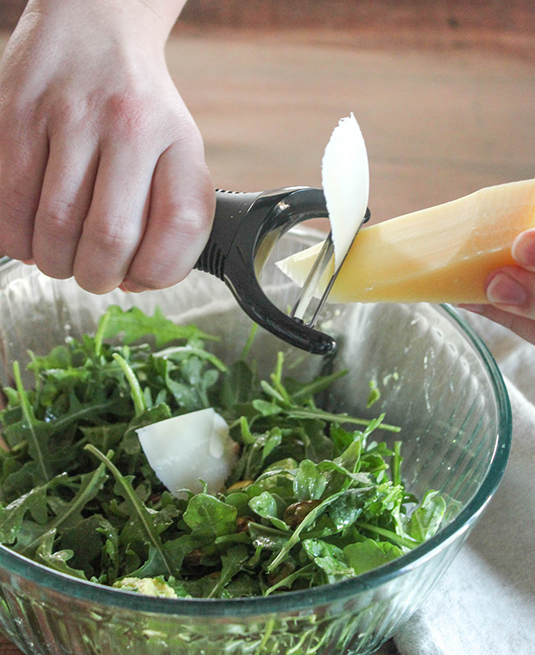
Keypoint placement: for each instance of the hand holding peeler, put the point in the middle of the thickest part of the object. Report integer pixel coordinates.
(246, 228)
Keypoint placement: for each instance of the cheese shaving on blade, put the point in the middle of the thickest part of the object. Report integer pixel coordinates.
(346, 184)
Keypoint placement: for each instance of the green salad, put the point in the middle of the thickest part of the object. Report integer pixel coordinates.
(313, 498)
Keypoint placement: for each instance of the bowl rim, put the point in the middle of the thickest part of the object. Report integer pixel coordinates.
(291, 601)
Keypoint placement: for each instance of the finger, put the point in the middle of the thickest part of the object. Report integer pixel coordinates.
(181, 213)
(512, 289)
(523, 250)
(64, 204)
(23, 158)
(521, 325)
(115, 223)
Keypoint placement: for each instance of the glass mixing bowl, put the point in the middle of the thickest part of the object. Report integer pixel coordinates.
(437, 381)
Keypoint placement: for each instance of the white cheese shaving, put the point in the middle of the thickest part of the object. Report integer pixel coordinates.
(186, 449)
(346, 184)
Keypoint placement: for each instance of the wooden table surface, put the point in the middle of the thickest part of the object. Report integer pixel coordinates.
(439, 122)
(7, 648)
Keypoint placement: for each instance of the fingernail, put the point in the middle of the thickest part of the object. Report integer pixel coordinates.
(506, 291)
(523, 249)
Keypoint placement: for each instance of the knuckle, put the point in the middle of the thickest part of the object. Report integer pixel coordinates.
(58, 220)
(193, 223)
(112, 235)
(129, 113)
(180, 222)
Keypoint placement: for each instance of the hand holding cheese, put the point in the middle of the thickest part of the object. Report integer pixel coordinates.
(441, 254)
(447, 253)
(511, 290)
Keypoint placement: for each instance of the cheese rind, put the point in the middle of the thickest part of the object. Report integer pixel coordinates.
(440, 254)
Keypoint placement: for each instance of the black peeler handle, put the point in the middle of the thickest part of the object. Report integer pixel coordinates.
(245, 229)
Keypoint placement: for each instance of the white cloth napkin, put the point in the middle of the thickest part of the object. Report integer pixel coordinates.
(485, 603)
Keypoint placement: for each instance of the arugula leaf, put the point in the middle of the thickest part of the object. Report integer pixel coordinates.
(134, 324)
(369, 554)
(426, 519)
(305, 392)
(135, 388)
(265, 537)
(305, 412)
(110, 556)
(11, 516)
(375, 394)
(388, 535)
(57, 560)
(237, 385)
(349, 507)
(207, 516)
(329, 558)
(231, 564)
(145, 518)
(309, 482)
(305, 524)
(271, 507)
(69, 512)
(311, 500)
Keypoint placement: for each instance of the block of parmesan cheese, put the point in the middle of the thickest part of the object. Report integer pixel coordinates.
(440, 254)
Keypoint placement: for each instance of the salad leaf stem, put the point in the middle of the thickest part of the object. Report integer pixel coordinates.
(101, 331)
(305, 412)
(305, 523)
(249, 342)
(138, 398)
(30, 420)
(396, 464)
(270, 624)
(289, 579)
(388, 534)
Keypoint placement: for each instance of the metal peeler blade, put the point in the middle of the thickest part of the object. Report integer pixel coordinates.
(309, 288)
(245, 229)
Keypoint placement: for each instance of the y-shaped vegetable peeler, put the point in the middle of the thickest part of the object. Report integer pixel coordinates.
(245, 229)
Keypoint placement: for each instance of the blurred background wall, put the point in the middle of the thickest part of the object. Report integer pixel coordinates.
(516, 16)
(444, 90)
